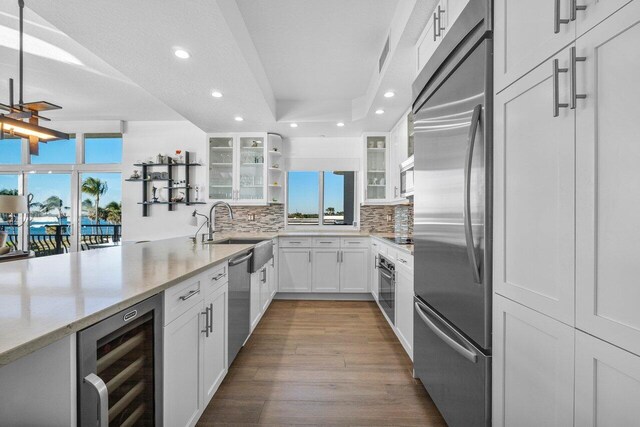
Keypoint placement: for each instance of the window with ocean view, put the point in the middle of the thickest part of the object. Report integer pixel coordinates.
(75, 206)
(321, 198)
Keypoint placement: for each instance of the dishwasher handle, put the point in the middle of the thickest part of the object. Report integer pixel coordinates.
(240, 260)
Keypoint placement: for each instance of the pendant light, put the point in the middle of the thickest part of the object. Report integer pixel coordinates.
(13, 123)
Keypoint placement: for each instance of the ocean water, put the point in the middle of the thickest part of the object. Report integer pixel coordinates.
(39, 225)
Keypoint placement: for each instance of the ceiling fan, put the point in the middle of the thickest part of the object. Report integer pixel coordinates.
(13, 121)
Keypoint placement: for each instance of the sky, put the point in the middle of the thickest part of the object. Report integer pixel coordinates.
(43, 185)
(303, 190)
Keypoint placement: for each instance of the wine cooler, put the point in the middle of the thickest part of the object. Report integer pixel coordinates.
(120, 368)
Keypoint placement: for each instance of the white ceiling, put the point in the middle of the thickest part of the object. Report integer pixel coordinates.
(59, 70)
(279, 61)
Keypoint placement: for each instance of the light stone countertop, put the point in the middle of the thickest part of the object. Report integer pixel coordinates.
(383, 238)
(45, 299)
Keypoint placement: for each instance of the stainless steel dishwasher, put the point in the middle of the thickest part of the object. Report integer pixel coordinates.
(239, 302)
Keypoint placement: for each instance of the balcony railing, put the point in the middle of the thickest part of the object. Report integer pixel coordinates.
(57, 239)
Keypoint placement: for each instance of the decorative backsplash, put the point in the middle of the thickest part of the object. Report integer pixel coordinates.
(378, 219)
(268, 219)
(375, 219)
(404, 220)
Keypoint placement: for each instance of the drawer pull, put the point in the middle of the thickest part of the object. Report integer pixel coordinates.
(190, 294)
(218, 277)
(327, 243)
(404, 261)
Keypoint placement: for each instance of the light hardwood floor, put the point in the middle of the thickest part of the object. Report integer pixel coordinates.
(322, 363)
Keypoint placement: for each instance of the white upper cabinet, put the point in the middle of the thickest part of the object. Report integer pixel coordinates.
(608, 180)
(533, 359)
(237, 171)
(607, 388)
(534, 193)
(376, 167)
(527, 32)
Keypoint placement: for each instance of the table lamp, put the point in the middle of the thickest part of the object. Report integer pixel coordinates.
(12, 205)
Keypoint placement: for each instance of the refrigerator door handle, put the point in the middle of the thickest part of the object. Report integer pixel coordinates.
(468, 228)
(460, 349)
(103, 398)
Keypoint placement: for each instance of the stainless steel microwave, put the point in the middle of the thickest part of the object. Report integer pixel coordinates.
(406, 178)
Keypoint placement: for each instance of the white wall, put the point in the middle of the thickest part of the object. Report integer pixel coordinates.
(317, 153)
(142, 140)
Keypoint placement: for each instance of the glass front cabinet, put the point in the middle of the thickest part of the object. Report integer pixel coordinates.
(376, 167)
(237, 171)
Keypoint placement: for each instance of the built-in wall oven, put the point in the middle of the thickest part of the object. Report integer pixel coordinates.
(387, 286)
(120, 368)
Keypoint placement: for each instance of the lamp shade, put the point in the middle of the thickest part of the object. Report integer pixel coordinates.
(13, 204)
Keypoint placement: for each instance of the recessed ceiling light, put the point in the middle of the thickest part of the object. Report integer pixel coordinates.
(238, 119)
(379, 111)
(216, 94)
(340, 124)
(389, 94)
(182, 54)
(294, 125)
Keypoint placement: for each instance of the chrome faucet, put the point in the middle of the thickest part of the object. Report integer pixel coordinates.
(212, 218)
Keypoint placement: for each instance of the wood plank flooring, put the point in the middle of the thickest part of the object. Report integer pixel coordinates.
(322, 363)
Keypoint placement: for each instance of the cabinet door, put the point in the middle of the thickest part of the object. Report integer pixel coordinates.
(607, 384)
(215, 345)
(353, 270)
(404, 307)
(221, 167)
(427, 44)
(294, 270)
(374, 270)
(534, 194)
(325, 276)
(524, 36)
(265, 291)
(596, 12)
(608, 180)
(376, 162)
(183, 400)
(251, 171)
(256, 294)
(273, 272)
(532, 368)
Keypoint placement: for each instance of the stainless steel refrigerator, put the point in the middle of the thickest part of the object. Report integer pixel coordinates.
(452, 230)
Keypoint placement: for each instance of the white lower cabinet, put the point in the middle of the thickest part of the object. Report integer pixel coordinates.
(215, 346)
(260, 295)
(353, 270)
(294, 269)
(607, 384)
(194, 354)
(325, 270)
(183, 341)
(404, 305)
(533, 360)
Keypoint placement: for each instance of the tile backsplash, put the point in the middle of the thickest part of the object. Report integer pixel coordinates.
(268, 219)
(379, 219)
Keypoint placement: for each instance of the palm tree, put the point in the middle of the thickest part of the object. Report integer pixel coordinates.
(96, 188)
(114, 212)
(54, 203)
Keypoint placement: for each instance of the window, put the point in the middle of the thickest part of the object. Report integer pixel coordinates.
(56, 152)
(10, 151)
(103, 148)
(9, 222)
(50, 229)
(100, 209)
(320, 199)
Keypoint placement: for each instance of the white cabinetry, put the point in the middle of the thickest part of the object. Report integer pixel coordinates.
(236, 168)
(353, 270)
(534, 185)
(404, 301)
(195, 345)
(294, 269)
(533, 376)
(376, 168)
(275, 168)
(373, 268)
(325, 270)
(608, 180)
(607, 384)
(399, 142)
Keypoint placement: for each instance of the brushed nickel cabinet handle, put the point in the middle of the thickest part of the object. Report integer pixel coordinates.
(574, 77)
(556, 89)
(556, 17)
(440, 27)
(435, 26)
(210, 317)
(206, 321)
(575, 7)
(190, 294)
